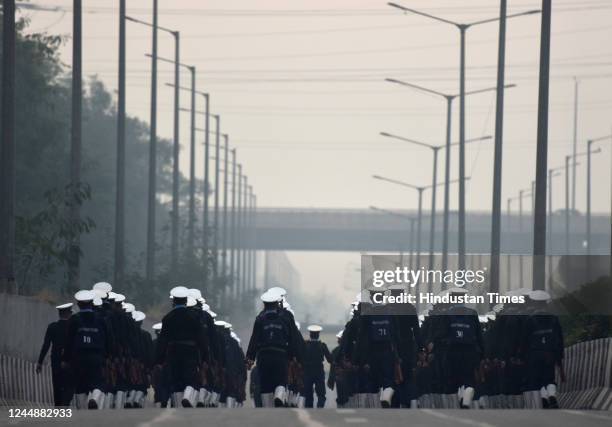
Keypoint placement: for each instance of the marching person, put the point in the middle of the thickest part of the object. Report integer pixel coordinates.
(544, 344)
(86, 351)
(314, 375)
(272, 345)
(55, 338)
(378, 352)
(181, 347)
(465, 349)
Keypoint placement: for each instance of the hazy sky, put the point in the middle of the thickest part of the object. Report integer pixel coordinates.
(300, 89)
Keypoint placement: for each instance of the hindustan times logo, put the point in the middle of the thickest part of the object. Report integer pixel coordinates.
(409, 277)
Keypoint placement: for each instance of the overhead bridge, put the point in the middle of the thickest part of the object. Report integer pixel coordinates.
(312, 229)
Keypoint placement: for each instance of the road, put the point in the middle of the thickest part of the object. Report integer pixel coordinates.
(250, 417)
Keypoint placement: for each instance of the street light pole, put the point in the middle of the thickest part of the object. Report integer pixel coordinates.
(233, 225)
(239, 236)
(205, 213)
(575, 142)
(539, 224)
(192, 177)
(152, 202)
(497, 162)
(120, 173)
(76, 139)
(175, 151)
(589, 151)
(225, 205)
(216, 193)
(7, 150)
(254, 248)
(248, 189)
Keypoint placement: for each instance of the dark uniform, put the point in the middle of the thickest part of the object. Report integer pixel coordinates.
(314, 376)
(86, 350)
(181, 347)
(378, 348)
(338, 378)
(273, 343)
(544, 344)
(465, 348)
(55, 338)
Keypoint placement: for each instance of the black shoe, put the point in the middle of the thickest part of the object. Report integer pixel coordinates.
(278, 403)
(545, 404)
(552, 403)
(385, 404)
(186, 403)
(92, 404)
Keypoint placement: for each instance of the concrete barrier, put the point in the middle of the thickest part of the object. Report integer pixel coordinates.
(23, 322)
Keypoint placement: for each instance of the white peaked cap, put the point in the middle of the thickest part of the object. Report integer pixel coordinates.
(201, 300)
(84, 296)
(498, 307)
(457, 290)
(421, 318)
(111, 295)
(128, 307)
(220, 323)
(278, 290)
(64, 306)
(287, 306)
(491, 315)
(212, 314)
(358, 297)
(97, 301)
(483, 319)
(138, 316)
(102, 286)
(119, 297)
(191, 302)
(314, 328)
(157, 327)
(194, 293)
(539, 296)
(269, 297)
(100, 293)
(228, 325)
(298, 325)
(234, 336)
(179, 292)
(205, 307)
(339, 334)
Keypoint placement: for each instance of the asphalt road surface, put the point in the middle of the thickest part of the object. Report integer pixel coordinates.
(249, 417)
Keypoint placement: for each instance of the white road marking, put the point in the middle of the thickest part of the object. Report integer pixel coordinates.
(345, 411)
(164, 416)
(304, 417)
(587, 414)
(355, 420)
(456, 419)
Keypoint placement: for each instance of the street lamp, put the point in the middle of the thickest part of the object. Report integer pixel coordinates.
(462, 27)
(434, 183)
(590, 143)
(449, 101)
